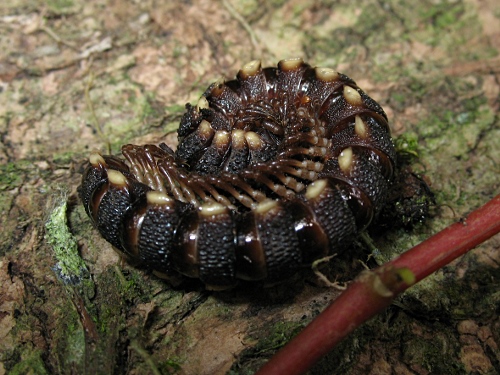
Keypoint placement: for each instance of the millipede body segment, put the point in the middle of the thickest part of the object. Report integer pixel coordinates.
(274, 169)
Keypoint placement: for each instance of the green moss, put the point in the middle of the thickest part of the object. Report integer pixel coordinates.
(70, 266)
(63, 158)
(68, 343)
(31, 365)
(452, 137)
(60, 6)
(446, 26)
(5, 204)
(133, 286)
(441, 15)
(407, 144)
(109, 309)
(106, 313)
(432, 355)
(463, 115)
(12, 175)
(72, 346)
(436, 355)
(149, 107)
(175, 110)
(455, 129)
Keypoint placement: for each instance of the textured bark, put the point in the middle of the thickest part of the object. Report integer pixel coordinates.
(75, 76)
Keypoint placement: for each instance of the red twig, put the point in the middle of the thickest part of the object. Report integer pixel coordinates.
(374, 290)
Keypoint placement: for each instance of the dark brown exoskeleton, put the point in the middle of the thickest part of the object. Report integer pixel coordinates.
(274, 170)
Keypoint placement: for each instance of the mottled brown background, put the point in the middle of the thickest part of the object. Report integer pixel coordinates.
(83, 75)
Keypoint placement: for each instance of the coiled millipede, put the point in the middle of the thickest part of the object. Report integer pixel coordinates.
(274, 169)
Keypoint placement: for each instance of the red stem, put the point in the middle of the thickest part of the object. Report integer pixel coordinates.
(361, 301)
(453, 241)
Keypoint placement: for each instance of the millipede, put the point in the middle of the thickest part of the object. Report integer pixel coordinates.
(273, 170)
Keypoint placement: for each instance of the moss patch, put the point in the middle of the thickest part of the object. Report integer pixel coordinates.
(31, 365)
(70, 266)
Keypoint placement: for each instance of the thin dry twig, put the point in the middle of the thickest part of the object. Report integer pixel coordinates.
(41, 25)
(93, 116)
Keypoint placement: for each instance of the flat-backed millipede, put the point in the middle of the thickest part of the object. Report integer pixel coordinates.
(274, 169)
